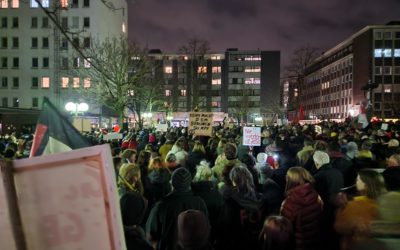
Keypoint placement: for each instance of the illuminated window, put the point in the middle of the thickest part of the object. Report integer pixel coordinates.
(86, 63)
(216, 58)
(387, 52)
(252, 80)
(131, 92)
(215, 104)
(396, 52)
(167, 92)
(15, 4)
(64, 3)
(216, 81)
(34, 4)
(46, 3)
(45, 82)
(216, 69)
(64, 82)
(202, 69)
(388, 90)
(123, 28)
(183, 92)
(252, 58)
(75, 82)
(87, 82)
(3, 4)
(168, 69)
(252, 69)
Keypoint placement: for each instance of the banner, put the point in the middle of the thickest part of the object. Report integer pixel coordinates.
(112, 136)
(200, 123)
(162, 127)
(252, 136)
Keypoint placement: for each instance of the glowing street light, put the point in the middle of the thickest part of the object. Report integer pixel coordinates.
(76, 108)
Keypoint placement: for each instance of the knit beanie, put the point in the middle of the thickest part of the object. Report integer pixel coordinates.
(320, 158)
(193, 229)
(181, 179)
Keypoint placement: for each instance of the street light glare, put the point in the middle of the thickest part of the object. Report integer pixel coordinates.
(83, 107)
(70, 106)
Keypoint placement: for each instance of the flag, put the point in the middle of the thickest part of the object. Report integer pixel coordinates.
(54, 133)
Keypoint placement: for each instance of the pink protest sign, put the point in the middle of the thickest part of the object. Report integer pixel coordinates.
(252, 136)
(69, 201)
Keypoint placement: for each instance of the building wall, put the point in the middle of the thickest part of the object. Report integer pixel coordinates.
(104, 22)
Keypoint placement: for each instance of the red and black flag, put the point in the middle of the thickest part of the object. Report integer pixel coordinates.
(54, 133)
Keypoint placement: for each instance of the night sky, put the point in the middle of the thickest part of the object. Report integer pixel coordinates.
(254, 24)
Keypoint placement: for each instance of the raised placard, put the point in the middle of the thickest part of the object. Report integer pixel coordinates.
(251, 136)
(200, 123)
(69, 200)
(162, 127)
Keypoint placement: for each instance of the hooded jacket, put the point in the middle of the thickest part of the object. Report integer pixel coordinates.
(303, 207)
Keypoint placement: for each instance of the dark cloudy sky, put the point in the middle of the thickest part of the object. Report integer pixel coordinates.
(251, 24)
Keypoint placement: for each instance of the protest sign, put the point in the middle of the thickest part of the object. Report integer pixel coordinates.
(200, 123)
(251, 136)
(69, 200)
(112, 136)
(384, 126)
(162, 127)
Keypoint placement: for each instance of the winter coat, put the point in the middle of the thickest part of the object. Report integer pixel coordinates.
(345, 166)
(164, 149)
(135, 239)
(162, 222)
(194, 159)
(353, 221)
(243, 221)
(180, 154)
(214, 202)
(303, 207)
(158, 184)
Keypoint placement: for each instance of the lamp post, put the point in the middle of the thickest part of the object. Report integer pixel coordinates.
(76, 109)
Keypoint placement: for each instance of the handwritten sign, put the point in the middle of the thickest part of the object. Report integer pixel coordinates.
(69, 200)
(162, 127)
(251, 136)
(384, 126)
(112, 136)
(200, 123)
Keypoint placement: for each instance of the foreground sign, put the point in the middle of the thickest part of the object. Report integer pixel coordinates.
(251, 136)
(69, 201)
(200, 123)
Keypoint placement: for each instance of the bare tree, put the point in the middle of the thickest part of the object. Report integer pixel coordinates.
(295, 71)
(123, 78)
(195, 50)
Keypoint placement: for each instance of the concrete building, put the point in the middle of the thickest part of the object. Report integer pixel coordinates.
(35, 56)
(243, 83)
(340, 81)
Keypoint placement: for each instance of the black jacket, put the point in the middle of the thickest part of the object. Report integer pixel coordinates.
(162, 222)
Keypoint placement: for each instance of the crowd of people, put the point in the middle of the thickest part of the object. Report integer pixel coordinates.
(337, 189)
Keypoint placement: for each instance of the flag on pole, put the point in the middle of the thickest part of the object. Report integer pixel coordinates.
(54, 133)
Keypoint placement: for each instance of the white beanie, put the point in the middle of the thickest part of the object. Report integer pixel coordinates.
(320, 158)
(262, 157)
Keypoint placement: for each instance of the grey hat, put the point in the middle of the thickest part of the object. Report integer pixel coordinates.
(181, 179)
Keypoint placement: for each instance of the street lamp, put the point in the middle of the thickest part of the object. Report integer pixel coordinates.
(76, 108)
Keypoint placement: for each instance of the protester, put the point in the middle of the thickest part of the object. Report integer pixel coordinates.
(277, 233)
(129, 179)
(193, 231)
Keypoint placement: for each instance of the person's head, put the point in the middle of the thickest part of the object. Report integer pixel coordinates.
(193, 229)
(334, 146)
(129, 177)
(203, 172)
(144, 158)
(181, 179)
(393, 161)
(230, 151)
(366, 145)
(320, 158)
(277, 233)
(129, 155)
(393, 143)
(370, 183)
(181, 142)
(198, 147)
(298, 176)
(308, 142)
(321, 146)
(148, 147)
(171, 158)
(242, 179)
(352, 150)
(133, 209)
(155, 163)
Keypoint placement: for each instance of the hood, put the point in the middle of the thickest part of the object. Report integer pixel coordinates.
(159, 176)
(251, 202)
(175, 149)
(304, 195)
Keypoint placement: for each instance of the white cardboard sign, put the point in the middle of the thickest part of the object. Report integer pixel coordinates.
(69, 201)
(251, 136)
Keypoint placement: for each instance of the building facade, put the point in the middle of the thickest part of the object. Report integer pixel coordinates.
(242, 83)
(35, 55)
(364, 67)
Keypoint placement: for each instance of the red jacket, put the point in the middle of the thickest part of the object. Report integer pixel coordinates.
(303, 207)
